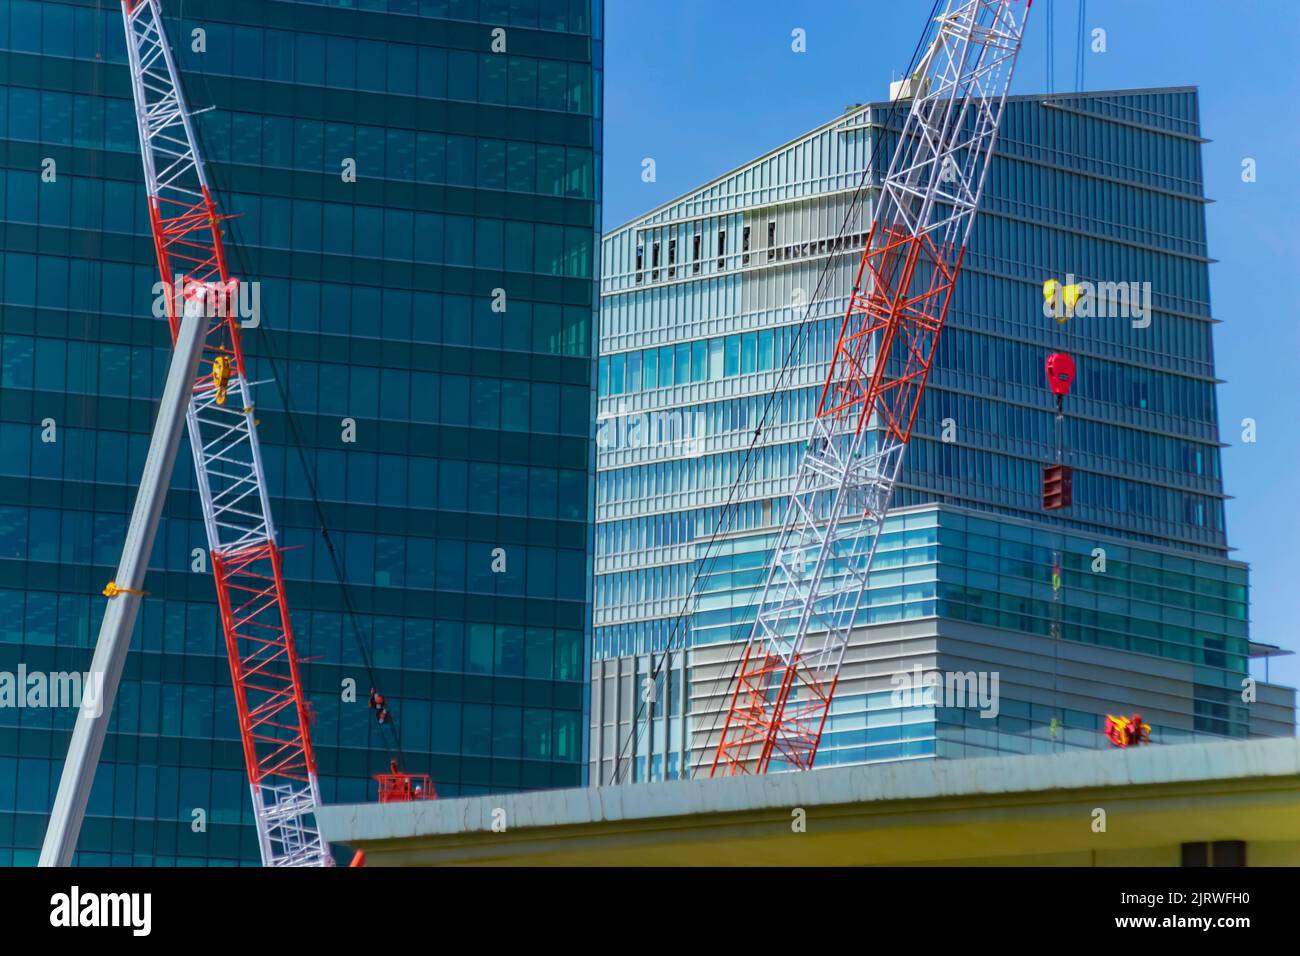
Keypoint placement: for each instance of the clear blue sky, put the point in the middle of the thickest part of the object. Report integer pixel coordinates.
(702, 87)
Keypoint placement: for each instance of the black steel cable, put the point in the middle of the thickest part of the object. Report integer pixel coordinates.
(1050, 23)
(296, 437)
(1082, 51)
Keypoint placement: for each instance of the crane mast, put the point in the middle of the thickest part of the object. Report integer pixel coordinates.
(246, 560)
(782, 690)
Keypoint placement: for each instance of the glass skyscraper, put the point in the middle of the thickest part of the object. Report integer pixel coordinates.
(1125, 601)
(417, 192)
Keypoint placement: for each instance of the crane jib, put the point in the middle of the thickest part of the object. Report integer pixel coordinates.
(780, 695)
(246, 560)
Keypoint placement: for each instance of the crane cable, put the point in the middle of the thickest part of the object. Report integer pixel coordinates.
(1056, 610)
(349, 606)
(787, 369)
(1056, 629)
(1050, 23)
(1081, 51)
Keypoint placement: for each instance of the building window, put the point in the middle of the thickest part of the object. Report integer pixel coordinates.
(654, 262)
(722, 248)
(744, 247)
(640, 262)
(1218, 853)
(695, 254)
(672, 258)
(771, 241)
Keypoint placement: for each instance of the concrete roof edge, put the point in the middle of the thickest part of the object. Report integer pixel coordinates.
(906, 780)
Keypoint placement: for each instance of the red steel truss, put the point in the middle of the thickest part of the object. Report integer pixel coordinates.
(782, 691)
(245, 557)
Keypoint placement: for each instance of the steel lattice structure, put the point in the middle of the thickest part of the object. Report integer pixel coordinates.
(832, 523)
(246, 560)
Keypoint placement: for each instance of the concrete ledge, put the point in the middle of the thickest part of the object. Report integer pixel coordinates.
(891, 813)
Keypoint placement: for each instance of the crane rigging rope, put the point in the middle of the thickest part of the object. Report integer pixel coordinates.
(350, 612)
(1081, 51)
(1050, 22)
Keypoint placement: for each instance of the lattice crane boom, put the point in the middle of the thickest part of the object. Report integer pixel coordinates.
(241, 535)
(782, 690)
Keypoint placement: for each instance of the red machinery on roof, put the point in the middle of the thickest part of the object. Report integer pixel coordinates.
(396, 786)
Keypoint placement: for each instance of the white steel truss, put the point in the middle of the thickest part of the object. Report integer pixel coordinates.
(227, 460)
(833, 520)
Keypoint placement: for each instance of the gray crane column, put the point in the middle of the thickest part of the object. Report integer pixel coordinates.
(119, 618)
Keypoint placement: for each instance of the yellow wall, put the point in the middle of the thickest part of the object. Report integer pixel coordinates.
(1142, 828)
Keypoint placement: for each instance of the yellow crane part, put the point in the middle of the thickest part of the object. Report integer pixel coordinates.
(1056, 295)
(221, 376)
(112, 589)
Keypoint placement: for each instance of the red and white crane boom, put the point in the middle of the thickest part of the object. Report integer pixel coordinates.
(232, 488)
(832, 523)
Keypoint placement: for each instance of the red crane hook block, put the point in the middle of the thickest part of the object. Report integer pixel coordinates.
(1060, 373)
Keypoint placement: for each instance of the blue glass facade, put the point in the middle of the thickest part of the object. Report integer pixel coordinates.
(703, 300)
(954, 564)
(477, 181)
(1107, 189)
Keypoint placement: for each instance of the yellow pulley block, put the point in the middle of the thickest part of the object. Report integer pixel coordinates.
(112, 589)
(221, 376)
(1057, 295)
(1070, 295)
